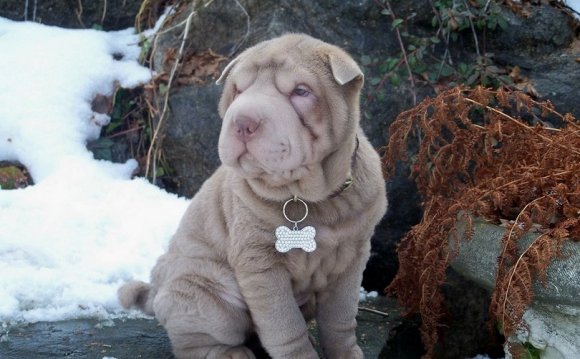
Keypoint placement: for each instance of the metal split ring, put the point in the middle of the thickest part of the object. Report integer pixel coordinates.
(295, 199)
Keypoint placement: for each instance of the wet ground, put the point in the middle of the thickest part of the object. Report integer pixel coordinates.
(142, 338)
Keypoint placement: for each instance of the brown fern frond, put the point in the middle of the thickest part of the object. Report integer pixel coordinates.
(492, 154)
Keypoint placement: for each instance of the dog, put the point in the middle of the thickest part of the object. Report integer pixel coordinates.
(280, 233)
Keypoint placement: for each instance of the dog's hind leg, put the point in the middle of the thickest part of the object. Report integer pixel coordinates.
(202, 325)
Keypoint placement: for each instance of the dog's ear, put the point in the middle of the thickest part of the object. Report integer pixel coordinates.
(344, 68)
(227, 71)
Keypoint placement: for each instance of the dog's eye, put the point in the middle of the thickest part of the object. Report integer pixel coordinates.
(301, 91)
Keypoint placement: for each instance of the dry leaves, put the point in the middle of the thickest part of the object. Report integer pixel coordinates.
(196, 68)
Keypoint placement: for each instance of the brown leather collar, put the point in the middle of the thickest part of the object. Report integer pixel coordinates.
(349, 180)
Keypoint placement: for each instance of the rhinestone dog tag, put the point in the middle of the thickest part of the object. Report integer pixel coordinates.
(288, 239)
(295, 238)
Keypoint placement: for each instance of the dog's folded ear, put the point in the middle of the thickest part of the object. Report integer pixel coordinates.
(344, 68)
(226, 71)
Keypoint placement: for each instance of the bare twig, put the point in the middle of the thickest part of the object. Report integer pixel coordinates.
(402, 45)
(121, 133)
(445, 54)
(104, 12)
(511, 232)
(152, 151)
(374, 311)
(561, 145)
(472, 29)
(513, 272)
(248, 23)
(79, 13)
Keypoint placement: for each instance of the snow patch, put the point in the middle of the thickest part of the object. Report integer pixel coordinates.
(69, 241)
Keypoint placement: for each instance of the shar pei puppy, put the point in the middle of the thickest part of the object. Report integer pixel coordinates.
(280, 233)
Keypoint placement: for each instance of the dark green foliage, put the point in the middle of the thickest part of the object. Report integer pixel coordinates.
(429, 58)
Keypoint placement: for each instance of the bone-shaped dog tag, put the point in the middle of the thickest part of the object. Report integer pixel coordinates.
(288, 239)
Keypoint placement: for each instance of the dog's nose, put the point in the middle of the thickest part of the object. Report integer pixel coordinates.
(245, 128)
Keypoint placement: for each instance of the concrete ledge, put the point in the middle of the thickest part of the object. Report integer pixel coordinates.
(552, 323)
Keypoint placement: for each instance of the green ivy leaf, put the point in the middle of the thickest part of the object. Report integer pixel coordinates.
(374, 81)
(502, 23)
(365, 60)
(102, 148)
(396, 23)
(392, 63)
(163, 88)
(160, 172)
(446, 70)
(420, 68)
(395, 80)
(381, 95)
(531, 352)
(434, 21)
(472, 79)
(419, 54)
(506, 80)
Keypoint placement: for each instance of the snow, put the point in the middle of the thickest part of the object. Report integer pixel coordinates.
(363, 295)
(574, 5)
(85, 227)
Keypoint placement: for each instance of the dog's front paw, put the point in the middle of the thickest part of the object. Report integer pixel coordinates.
(238, 353)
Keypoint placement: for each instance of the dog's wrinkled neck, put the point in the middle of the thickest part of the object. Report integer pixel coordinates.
(320, 183)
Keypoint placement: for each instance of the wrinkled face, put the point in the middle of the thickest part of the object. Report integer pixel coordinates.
(283, 111)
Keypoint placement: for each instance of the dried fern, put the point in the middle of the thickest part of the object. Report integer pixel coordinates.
(493, 154)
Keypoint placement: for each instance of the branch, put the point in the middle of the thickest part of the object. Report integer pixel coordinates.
(402, 45)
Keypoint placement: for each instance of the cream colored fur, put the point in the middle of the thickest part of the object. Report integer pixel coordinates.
(221, 278)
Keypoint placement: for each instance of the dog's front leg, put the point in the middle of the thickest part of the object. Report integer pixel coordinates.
(336, 315)
(278, 320)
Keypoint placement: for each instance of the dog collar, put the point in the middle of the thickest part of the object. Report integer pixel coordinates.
(346, 185)
(349, 179)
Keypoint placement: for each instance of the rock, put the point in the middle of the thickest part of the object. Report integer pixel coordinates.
(545, 48)
(466, 331)
(403, 212)
(108, 15)
(544, 30)
(145, 338)
(192, 148)
(13, 176)
(557, 78)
